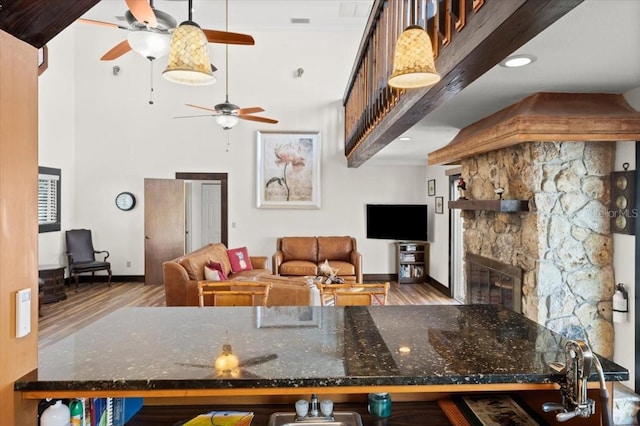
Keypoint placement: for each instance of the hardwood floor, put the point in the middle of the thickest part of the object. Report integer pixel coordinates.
(94, 301)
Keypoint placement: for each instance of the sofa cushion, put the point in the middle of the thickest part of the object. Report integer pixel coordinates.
(335, 248)
(194, 262)
(299, 248)
(211, 274)
(239, 259)
(344, 268)
(298, 267)
(220, 268)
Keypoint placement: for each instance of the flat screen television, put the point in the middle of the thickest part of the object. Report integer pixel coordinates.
(403, 222)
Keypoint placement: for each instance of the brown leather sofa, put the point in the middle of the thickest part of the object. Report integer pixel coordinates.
(302, 256)
(181, 276)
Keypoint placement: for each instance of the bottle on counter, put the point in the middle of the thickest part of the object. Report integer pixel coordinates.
(76, 408)
(380, 404)
(57, 414)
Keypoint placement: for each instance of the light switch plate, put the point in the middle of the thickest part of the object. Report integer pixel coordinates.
(23, 312)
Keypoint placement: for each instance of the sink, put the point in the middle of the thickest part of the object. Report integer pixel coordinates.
(340, 418)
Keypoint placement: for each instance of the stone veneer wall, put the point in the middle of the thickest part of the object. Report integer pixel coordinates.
(563, 245)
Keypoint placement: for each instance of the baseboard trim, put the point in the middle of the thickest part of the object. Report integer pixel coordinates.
(438, 286)
(379, 277)
(103, 279)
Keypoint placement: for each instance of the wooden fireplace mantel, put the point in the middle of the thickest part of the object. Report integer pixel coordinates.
(545, 117)
(504, 206)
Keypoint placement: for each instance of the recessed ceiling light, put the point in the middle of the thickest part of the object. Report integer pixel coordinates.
(404, 138)
(518, 61)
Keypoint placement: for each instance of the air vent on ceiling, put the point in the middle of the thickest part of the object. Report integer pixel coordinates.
(300, 20)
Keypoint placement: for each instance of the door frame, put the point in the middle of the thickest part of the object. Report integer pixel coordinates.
(453, 175)
(223, 178)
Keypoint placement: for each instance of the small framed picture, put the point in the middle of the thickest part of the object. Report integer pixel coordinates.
(439, 205)
(431, 187)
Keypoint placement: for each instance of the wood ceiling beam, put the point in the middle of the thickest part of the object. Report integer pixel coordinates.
(497, 31)
(38, 21)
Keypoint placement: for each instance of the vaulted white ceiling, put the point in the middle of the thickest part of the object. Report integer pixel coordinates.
(592, 49)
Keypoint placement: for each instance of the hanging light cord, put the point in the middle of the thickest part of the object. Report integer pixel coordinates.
(226, 54)
(151, 80)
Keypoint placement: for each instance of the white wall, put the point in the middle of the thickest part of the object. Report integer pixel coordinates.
(439, 226)
(624, 261)
(117, 139)
(56, 137)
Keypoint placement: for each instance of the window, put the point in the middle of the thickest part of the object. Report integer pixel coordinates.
(48, 199)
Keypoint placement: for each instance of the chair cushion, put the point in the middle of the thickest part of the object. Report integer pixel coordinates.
(239, 259)
(90, 266)
(298, 267)
(299, 248)
(335, 248)
(80, 245)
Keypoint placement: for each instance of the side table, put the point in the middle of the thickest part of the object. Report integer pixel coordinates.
(53, 283)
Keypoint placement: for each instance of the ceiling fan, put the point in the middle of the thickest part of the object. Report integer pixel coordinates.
(150, 32)
(228, 114)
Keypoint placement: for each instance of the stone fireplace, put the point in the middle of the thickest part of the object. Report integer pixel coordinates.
(552, 154)
(563, 244)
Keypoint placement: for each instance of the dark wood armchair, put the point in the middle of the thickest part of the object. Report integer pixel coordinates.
(82, 256)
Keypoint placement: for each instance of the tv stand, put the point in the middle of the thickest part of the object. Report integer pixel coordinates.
(412, 261)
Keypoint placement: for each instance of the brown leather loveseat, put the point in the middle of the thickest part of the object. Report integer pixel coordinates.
(303, 256)
(181, 276)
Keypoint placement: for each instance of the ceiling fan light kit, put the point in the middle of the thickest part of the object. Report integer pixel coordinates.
(150, 45)
(227, 121)
(188, 58)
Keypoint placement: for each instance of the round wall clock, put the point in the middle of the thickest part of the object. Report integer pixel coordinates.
(125, 201)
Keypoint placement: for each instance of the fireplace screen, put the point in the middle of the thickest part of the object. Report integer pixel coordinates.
(493, 282)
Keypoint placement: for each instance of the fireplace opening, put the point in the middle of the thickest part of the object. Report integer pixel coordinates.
(492, 282)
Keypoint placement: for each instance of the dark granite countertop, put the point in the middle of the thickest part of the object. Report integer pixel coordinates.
(285, 347)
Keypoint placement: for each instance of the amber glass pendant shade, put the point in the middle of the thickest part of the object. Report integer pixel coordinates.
(413, 63)
(188, 59)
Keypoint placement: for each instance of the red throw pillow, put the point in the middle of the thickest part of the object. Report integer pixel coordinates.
(239, 259)
(218, 267)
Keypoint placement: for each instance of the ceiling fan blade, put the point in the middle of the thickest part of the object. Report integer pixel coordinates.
(101, 23)
(225, 37)
(142, 11)
(116, 51)
(195, 116)
(260, 119)
(201, 107)
(250, 110)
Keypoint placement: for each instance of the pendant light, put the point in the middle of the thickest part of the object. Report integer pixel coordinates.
(188, 58)
(413, 63)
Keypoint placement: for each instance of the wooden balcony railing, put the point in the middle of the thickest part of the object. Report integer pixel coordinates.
(469, 37)
(368, 97)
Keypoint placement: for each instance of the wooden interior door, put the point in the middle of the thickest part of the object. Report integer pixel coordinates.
(164, 225)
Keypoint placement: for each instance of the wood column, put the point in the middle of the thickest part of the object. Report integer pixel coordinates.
(18, 220)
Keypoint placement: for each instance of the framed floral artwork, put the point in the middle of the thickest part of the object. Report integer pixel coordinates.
(288, 174)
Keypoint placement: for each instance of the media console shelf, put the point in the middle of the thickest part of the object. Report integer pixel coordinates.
(412, 261)
(506, 206)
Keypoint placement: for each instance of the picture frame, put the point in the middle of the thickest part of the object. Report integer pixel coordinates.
(439, 205)
(288, 170)
(431, 187)
(288, 316)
